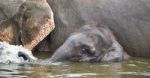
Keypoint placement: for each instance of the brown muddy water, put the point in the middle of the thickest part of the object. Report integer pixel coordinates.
(132, 68)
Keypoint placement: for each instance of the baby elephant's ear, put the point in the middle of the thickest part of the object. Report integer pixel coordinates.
(104, 37)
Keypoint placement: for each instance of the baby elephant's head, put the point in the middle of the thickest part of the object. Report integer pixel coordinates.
(89, 44)
(15, 54)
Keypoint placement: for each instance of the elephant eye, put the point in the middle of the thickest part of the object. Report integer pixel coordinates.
(85, 50)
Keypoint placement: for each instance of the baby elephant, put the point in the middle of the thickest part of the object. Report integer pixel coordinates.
(15, 54)
(91, 43)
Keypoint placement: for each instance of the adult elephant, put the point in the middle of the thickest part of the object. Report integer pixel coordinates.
(128, 19)
(32, 22)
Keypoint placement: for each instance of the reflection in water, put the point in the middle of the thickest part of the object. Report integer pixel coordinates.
(76, 70)
(13, 70)
(134, 68)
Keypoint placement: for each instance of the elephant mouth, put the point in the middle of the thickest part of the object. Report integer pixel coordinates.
(23, 55)
(26, 57)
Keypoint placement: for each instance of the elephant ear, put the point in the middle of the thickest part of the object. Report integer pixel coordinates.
(37, 23)
(104, 34)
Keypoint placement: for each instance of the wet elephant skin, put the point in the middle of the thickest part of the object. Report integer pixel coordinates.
(128, 19)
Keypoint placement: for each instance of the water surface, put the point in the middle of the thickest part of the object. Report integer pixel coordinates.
(132, 68)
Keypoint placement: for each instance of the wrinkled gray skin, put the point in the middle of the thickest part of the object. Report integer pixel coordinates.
(15, 54)
(90, 44)
(9, 8)
(128, 19)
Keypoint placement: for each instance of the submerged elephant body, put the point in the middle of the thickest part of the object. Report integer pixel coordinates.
(91, 43)
(128, 19)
